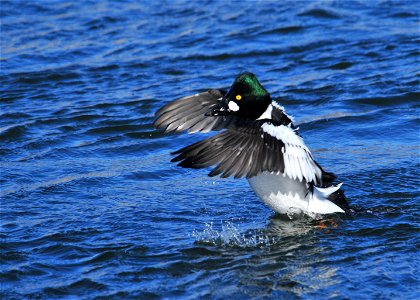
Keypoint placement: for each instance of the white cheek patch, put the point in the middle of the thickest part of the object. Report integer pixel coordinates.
(233, 106)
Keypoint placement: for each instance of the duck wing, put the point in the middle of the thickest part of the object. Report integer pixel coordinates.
(188, 114)
(251, 148)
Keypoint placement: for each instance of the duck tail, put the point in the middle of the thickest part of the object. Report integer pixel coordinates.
(327, 191)
(319, 201)
(340, 200)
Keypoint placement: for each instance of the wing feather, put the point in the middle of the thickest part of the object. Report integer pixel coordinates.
(299, 163)
(249, 149)
(188, 114)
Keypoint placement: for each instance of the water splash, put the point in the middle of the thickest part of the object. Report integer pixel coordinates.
(230, 235)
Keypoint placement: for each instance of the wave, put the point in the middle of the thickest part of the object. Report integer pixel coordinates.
(270, 52)
(410, 97)
(320, 13)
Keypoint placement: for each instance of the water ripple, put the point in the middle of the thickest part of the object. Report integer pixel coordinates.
(92, 208)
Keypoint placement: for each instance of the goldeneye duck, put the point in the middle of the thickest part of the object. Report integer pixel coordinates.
(259, 141)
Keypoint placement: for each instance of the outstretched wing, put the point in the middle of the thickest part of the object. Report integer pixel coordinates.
(250, 149)
(298, 161)
(188, 114)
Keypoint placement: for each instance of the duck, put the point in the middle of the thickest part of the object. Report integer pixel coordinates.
(257, 141)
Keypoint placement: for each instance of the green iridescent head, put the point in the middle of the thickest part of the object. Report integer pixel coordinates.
(246, 98)
(249, 84)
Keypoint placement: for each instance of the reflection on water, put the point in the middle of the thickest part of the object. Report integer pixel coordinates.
(287, 260)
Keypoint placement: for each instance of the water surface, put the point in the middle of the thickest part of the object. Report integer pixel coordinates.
(92, 208)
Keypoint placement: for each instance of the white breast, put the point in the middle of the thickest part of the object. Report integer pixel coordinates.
(279, 192)
(285, 195)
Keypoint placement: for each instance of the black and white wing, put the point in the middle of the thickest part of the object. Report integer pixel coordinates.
(188, 113)
(251, 149)
(298, 161)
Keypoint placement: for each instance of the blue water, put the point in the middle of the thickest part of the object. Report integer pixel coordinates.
(91, 206)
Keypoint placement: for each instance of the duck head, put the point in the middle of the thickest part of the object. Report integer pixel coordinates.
(246, 98)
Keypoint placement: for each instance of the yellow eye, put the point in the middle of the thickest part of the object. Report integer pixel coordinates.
(238, 97)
